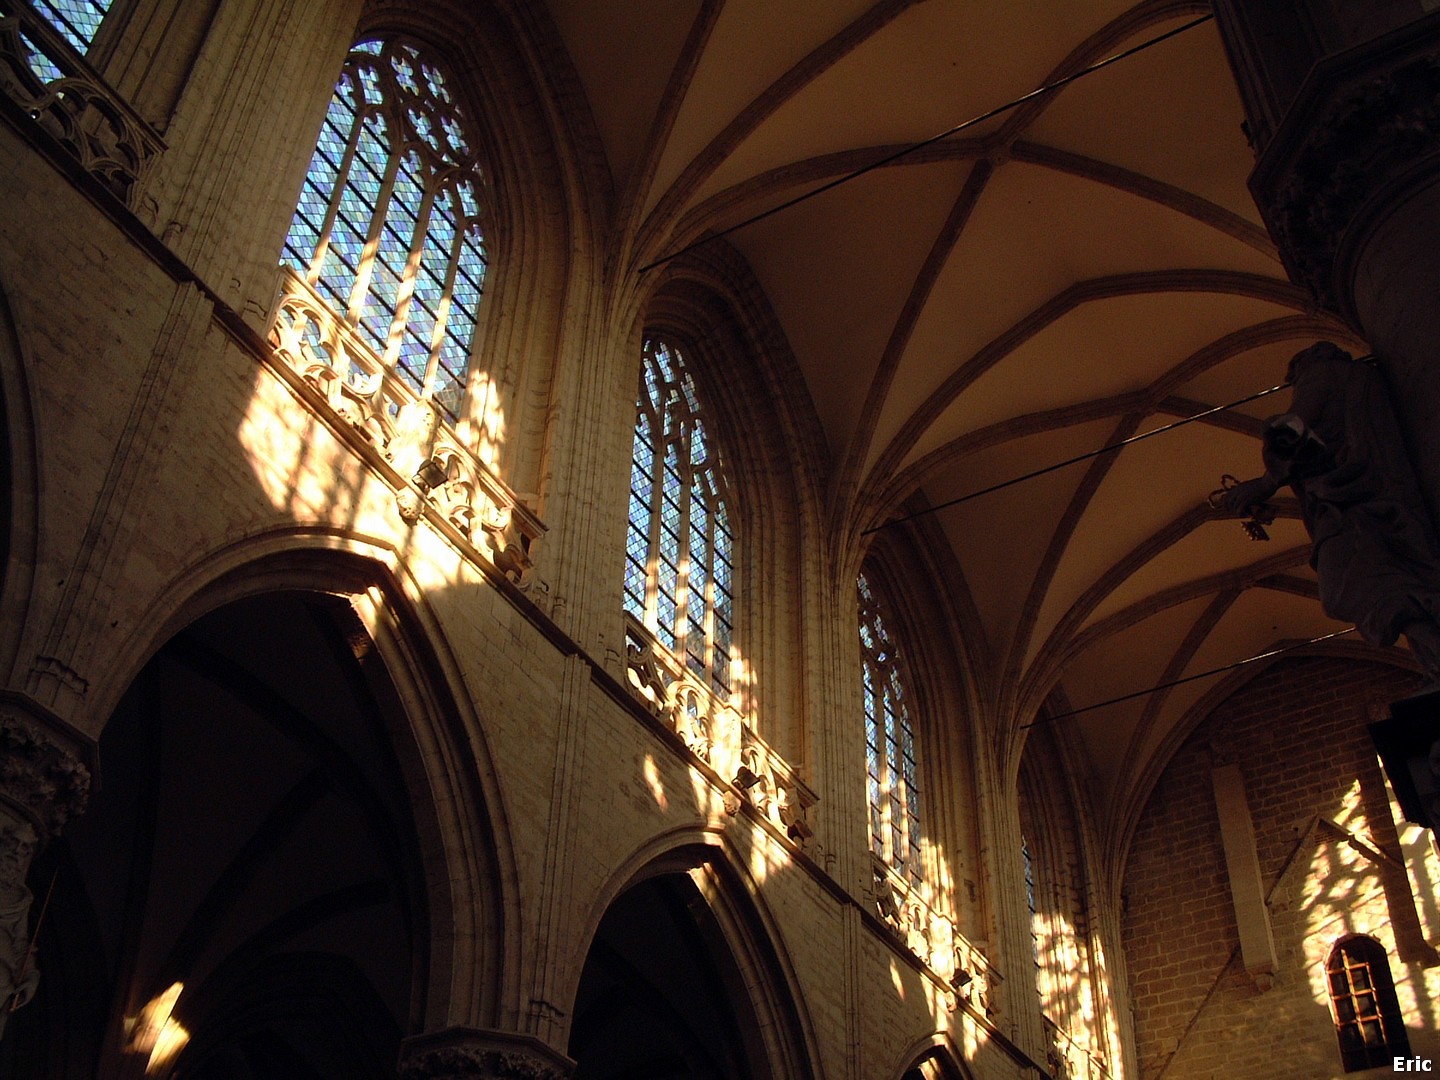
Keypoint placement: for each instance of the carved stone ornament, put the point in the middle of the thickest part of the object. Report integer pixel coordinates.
(407, 430)
(65, 98)
(1312, 187)
(464, 1054)
(41, 778)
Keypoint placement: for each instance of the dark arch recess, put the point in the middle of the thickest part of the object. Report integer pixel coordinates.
(254, 842)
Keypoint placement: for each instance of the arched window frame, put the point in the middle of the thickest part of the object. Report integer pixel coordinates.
(680, 540)
(388, 230)
(1369, 1026)
(892, 770)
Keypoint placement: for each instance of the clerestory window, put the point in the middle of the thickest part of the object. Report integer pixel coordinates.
(679, 548)
(894, 782)
(389, 226)
(1368, 1023)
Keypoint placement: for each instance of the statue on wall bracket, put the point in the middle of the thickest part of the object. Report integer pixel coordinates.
(1373, 546)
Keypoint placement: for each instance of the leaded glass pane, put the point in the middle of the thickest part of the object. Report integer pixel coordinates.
(77, 20)
(890, 744)
(386, 229)
(679, 534)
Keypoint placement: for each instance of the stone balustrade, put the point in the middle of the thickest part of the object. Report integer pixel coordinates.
(327, 353)
(935, 940)
(42, 73)
(717, 734)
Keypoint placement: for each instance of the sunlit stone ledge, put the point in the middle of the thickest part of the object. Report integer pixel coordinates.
(717, 734)
(1068, 1058)
(934, 940)
(42, 73)
(408, 430)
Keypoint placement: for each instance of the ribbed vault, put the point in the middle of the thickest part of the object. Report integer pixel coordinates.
(1066, 274)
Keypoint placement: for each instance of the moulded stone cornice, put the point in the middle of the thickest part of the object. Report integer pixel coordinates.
(1364, 120)
(46, 767)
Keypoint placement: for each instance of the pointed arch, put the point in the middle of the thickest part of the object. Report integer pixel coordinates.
(433, 727)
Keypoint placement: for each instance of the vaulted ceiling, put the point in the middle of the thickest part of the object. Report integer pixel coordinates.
(1073, 271)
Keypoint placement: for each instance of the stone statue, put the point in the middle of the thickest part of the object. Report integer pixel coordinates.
(1374, 548)
(18, 974)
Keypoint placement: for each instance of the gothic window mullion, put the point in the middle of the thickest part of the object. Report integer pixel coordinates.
(387, 231)
(360, 291)
(683, 566)
(894, 796)
(442, 307)
(657, 506)
(342, 180)
(678, 524)
(709, 627)
(405, 292)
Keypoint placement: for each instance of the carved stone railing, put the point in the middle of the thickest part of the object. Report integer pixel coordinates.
(717, 734)
(42, 73)
(1068, 1059)
(934, 939)
(326, 353)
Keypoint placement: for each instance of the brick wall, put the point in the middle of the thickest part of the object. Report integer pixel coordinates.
(1298, 734)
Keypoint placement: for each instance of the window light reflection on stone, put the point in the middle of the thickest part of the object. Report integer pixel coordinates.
(156, 1033)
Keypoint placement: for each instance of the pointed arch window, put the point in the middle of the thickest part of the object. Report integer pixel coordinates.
(679, 547)
(388, 230)
(1368, 1023)
(894, 783)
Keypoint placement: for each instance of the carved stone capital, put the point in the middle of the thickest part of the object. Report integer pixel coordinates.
(45, 766)
(473, 1054)
(1365, 126)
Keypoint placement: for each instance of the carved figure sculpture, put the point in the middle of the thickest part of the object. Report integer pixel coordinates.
(1373, 545)
(18, 974)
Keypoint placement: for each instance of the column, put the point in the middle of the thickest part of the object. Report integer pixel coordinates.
(1343, 109)
(474, 1054)
(45, 771)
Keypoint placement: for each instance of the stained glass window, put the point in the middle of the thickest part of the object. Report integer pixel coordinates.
(894, 783)
(388, 228)
(1368, 1023)
(77, 20)
(679, 549)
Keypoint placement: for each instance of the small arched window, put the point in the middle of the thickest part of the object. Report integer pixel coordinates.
(388, 229)
(679, 548)
(77, 20)
(1368, 1023)
(894, 783)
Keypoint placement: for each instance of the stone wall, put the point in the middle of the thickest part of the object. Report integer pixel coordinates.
(1329, 853)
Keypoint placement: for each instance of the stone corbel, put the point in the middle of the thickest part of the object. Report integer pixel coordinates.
(474, 1054)
(643, 674)
(510, 549)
